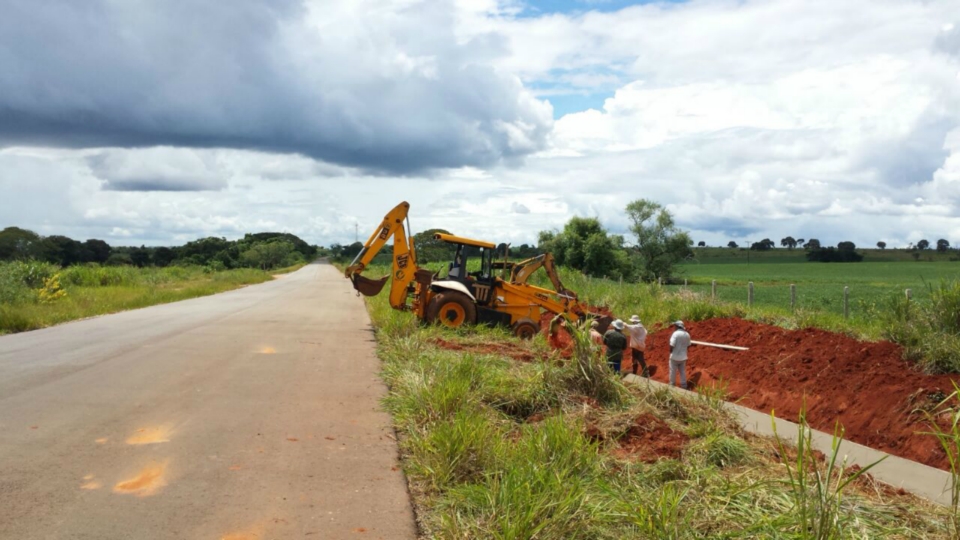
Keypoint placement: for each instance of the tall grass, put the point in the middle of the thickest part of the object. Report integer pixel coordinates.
(818, 491)
(948, 435)
(95, 290)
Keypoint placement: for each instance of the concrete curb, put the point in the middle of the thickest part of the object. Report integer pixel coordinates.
(917, 478)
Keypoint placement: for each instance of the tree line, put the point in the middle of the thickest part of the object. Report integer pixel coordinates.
(942, 245)
(266, 251)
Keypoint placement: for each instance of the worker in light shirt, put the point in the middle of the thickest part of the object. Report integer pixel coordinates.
(679, 343)
(638, 344)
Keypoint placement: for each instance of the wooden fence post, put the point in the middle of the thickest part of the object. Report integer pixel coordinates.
(793, 297)
(713, 289)
(750, 293)
(846, 302)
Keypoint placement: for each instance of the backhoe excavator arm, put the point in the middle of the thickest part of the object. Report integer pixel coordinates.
(404, 258)
(524, 269)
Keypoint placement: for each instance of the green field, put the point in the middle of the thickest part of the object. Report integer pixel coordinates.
(819, 286)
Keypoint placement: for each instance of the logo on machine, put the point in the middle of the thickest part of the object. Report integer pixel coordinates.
(399, 275)
(384, 233)
(402, 260)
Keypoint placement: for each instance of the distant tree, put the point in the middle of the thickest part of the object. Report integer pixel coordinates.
(834, 255)
(17, 243)
(813, 243)
(846, 246)
(800, 241)
(429, 249)
(788, 242)
(119, 259)
(351, 251)
(201, 251)
(732, 245)
(882, 245)
(61, 250)
(701, 244)
(96, 251)
(163, 256)
(140, 257)
(269, 255)
(584, 244)
(660, 242)
(763, 245)
(523, 251)
(942, 245)
(299, 245)
(923, 244)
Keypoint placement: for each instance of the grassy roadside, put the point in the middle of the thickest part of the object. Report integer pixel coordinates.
(37, 295)
(555, 448)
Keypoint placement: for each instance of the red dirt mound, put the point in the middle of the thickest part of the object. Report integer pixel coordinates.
(501, 349)
(865, 386)
(650, 439)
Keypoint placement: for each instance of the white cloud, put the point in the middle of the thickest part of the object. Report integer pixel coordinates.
(748, 119)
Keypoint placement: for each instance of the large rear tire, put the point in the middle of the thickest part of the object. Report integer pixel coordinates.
(452, 309)
(525, 329)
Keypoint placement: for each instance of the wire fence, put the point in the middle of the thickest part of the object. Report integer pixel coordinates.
(846, 300)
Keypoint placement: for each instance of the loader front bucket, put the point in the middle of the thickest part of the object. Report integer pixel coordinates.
(368, 287)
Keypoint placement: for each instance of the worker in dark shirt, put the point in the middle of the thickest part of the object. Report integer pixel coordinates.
(616, 343)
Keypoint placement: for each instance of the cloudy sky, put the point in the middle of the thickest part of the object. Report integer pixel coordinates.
(160, 121)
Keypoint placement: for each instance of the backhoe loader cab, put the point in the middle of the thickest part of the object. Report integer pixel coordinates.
(462, 296)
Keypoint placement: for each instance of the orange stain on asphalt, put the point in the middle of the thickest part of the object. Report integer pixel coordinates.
(145, 483)
(235, 467)
(93, 484)
(152, 435)
(101, 440)
(292, 439)
(268, 350)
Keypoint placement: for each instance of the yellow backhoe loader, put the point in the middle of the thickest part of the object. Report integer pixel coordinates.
(461, 296)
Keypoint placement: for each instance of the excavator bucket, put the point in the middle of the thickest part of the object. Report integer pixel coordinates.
(368, 287)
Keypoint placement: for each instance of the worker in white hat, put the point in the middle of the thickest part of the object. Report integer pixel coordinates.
(616, 342)
(679, 343)
(638, 344)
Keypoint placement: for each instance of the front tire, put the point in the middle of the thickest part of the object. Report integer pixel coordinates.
(525, 329)
(452, 309)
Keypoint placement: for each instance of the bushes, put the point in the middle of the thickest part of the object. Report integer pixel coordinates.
(929, 332)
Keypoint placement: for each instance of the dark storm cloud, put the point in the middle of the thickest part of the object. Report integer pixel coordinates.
(386, 91)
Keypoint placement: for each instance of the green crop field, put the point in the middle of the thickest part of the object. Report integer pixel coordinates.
(819, 285)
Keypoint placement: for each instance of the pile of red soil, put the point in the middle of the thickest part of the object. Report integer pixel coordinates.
(500, 349)
(867, 387)
(650, 439)
(647, 440)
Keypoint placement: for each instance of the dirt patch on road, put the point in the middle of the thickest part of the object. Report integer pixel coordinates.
(866, 386)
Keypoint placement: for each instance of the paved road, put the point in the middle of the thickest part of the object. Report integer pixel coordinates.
(251, 414)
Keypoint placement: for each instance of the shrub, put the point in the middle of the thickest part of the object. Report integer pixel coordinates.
(51, 290)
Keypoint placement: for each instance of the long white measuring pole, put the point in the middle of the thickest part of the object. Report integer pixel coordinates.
(719, 346)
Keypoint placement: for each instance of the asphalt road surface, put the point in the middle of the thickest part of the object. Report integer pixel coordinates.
(251, 414)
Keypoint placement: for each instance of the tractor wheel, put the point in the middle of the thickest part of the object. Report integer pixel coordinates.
(452, 309)
(525, 329)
